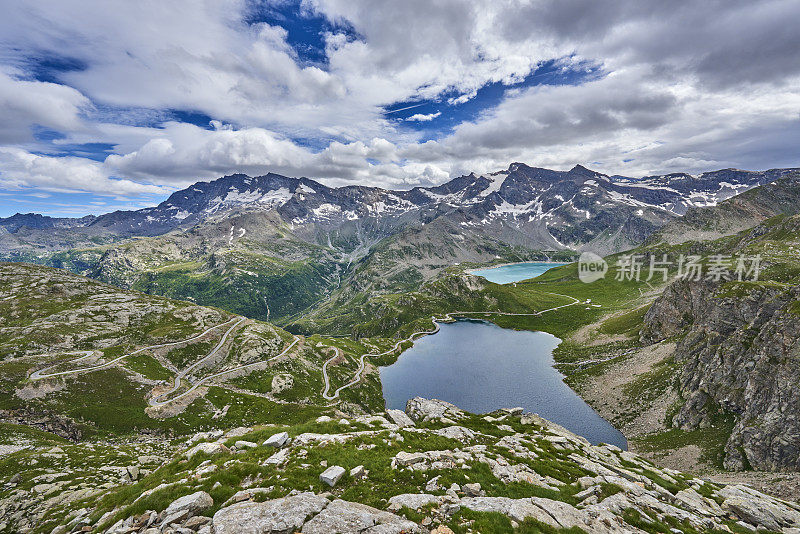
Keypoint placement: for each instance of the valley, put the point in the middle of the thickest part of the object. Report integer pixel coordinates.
(259, 313)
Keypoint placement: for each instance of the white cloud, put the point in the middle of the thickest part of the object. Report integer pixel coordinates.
(419, 117)
(680, 89)
(21, 170)
(185, 153)
(24, 104)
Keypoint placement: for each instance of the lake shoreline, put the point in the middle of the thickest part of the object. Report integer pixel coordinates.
(507, 273)
(500, 368)
(470, 271)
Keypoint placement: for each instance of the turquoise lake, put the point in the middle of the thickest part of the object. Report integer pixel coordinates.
(481, 367)
(515, 272)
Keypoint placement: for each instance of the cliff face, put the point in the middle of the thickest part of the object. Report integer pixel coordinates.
(741, 355)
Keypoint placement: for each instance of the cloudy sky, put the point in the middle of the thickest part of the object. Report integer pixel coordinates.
(113, 104)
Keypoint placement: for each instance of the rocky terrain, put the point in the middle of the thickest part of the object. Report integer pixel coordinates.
(698, 374)
(431, 469)
(739, 355)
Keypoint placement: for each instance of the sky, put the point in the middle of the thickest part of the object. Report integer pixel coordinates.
(108, 105)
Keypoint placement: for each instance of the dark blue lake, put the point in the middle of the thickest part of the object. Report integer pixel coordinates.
(481, 367)
(514, 272)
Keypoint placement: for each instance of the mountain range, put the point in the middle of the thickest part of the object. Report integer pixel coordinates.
(273, 247)
(534, 207)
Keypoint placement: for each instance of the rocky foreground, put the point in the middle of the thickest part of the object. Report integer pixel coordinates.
(432, 469)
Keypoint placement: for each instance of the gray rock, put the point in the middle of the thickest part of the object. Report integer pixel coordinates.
(472, 490)
(175, 517)
(420, 409)
(193, 503)
(242, 444)
(332, 475)
(459, 433)
(133, 472)
(409, 458)
(342, 517)
(196, 522)
(207, 448)
(758, 509)
(358, 472)
(277, 440)
(413, 501)
(278, 516)
(400, 418)
(278, 458)
(554, 513)
(237, 432)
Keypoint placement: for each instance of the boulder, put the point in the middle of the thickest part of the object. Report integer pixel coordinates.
(332, 475)
(399, 418)
(358, 472)
(758, 509)
(193, 503)
(278, 516)
(278, 458)
(133, 472)
(420, 409)
(207, 448)
(277, 440)
(410, 458)
(242, 444)
(238, 432)
(413, 501)
(459, 433)
(472, 490)
(196, 522)
(343, 517)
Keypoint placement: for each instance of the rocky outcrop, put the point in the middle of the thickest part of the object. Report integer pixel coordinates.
(524, 471)
(278, 516)
(419, 409)
(740, 355)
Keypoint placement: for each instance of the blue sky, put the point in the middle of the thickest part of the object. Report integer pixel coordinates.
(113, 105)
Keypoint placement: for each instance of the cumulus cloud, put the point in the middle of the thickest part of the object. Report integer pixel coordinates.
(22, 170)
(25, 104)
(684, 85)
(421, 117)
(184, 153)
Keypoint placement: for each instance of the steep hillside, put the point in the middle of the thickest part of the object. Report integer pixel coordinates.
(738, 353)
(703, 377)
(82, 358)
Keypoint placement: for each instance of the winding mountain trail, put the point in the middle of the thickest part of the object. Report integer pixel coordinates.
(446, 319)
(181, 374)
(155, 402)
(159, 400)
(42, 374)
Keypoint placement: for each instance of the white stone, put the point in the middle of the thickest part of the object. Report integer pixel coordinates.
(332, 475)
(400, 418)
(277, 440)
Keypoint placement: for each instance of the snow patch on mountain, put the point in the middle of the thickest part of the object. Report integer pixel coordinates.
(495, 183)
